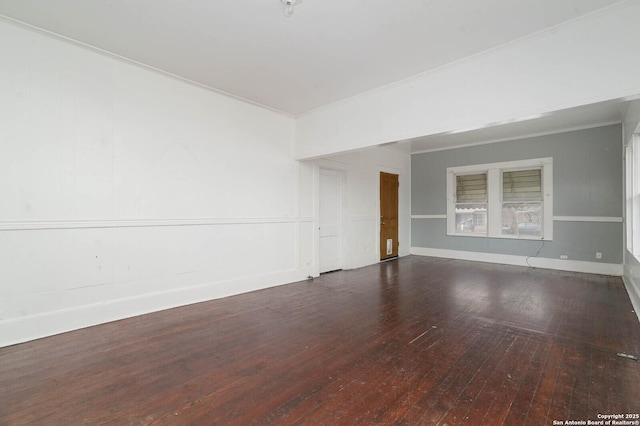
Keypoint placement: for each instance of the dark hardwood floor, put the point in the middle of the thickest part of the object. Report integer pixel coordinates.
(413, 341)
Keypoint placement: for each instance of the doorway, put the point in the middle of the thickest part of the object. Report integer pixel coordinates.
(389, 244)
(330, 220)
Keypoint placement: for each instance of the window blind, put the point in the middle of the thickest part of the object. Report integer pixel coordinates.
(522, 185)
(471, 188)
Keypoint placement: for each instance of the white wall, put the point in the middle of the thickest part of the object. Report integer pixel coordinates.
(361, 171)
(585, 61)
(125, 191)
(631, 125)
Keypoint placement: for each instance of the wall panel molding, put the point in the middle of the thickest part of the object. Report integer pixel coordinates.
(605, 219)
(587, 219)
(140, 223)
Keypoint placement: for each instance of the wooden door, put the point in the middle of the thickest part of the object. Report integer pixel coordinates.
(330, 220)
(388, 215)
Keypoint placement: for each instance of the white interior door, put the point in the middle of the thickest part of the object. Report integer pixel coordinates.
(330, 220)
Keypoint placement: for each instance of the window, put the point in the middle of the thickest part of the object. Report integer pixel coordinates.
(632, 164)
(522, 202)
(501, 200)
(471, 204)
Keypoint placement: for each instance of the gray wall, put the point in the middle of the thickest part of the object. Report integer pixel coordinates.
(587, 181)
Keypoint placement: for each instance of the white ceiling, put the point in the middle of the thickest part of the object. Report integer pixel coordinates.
(329, 50)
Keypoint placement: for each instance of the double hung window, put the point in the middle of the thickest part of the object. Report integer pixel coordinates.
(501, 200)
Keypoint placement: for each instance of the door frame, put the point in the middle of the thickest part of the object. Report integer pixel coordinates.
(392, 171)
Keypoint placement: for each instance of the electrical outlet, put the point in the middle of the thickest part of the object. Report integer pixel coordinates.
(564, 257)
(598, 255)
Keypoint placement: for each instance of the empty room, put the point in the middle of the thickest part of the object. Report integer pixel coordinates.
(319, 213)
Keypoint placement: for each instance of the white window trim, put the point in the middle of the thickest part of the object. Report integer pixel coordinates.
(633, 195)
(629, 222)
(494, 202)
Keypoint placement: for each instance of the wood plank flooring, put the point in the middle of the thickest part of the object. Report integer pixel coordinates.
(414, 341)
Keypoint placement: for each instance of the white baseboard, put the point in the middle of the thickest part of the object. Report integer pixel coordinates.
(633, 289)
(19, 330)
(536, 262)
